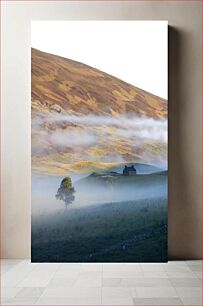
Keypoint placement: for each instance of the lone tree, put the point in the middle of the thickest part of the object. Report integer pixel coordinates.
(66, 191)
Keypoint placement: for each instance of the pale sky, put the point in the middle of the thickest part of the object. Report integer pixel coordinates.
(134, 51)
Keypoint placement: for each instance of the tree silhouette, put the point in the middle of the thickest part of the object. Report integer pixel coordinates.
(66, 191)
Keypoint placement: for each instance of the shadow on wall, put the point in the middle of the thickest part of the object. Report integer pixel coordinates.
(182, 218)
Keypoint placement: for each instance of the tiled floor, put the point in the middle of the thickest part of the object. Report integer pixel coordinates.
(174, 283)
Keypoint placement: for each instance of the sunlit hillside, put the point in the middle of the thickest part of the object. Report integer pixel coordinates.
(85, 120)
(61, 84)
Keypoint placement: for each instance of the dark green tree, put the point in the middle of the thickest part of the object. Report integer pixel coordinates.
(66, 191)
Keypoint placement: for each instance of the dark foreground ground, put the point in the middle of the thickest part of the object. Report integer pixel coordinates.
(131, 231)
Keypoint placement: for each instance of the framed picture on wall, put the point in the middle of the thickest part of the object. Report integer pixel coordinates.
(99, 141)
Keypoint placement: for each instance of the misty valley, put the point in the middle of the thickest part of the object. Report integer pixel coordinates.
(113, 217)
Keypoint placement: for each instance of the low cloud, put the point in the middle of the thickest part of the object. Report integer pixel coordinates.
(127, 126)
(71, 139)
(80, 133)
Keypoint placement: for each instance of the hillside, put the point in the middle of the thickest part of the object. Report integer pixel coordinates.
(117, 180)
(84, 120)
(64, 85)
(98, 233)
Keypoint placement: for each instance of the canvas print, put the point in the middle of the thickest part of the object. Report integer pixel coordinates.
(99, 141)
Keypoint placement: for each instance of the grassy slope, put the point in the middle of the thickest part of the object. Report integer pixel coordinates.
(100, 233)
(61, 84)
(110, 178)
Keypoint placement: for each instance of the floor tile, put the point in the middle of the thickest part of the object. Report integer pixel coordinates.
(122, 274)
(157, 301)
(115, 292)
(198, 274)
(90, 274)
(176, 268)
(178, 274)
(91, 267)
(185, 282)
(37, 279)
(12, 279)
(196, 268)
(61, 283)
(122, 267)
(71, 267)
(172, 283)
(46, 267)
(193, 301)
(66, 274)
(117, 301)
(145, 282)
(74, 292)
(152, 268)
(21, 301)
(69, 301)
(111, 282)
(153, 292)
(155, 274)
(9, 292)
(193, 262)
(5, 268)
(30, 292)
(189, 291)
(88, 282)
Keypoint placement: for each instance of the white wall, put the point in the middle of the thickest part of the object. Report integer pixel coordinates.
(184, 112)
